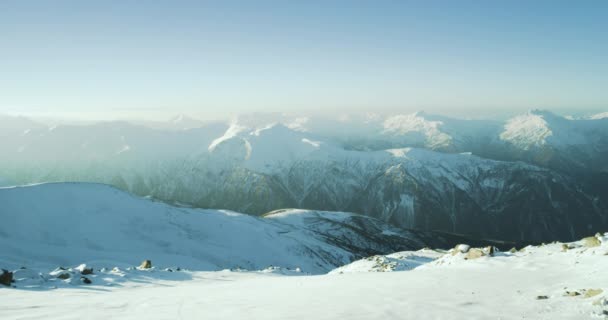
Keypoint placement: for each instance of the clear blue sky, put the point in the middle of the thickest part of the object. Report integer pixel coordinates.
(151, 58)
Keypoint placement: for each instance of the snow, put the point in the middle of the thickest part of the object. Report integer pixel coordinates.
(538, 128)
(67, 224)
(429, 130)
(232, 132)
(527, 130)
(598, 116)
(217, 264)
(506, 286)
(399, 261)
(70, 223)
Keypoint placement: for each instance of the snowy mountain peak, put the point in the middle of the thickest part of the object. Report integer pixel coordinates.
(429, 131)
(603, 115)
(234, 130)
(527, 130)
(543, 113)
(274, 129)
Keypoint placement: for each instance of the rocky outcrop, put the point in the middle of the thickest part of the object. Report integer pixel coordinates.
(591, 242)
(146, 264)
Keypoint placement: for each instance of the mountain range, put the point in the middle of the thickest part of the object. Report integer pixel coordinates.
(534, 177)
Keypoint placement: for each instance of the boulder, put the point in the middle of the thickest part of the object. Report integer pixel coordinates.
(63, 276)
(86, 280)
(87, 271)
(60, 273)
(591, 242)
(489, 250)
(593, 292)
(146, 264)
(474, 253)
(461, 248)
(6, 278)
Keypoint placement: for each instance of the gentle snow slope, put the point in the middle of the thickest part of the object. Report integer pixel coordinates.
(538, 283)
(66, 224)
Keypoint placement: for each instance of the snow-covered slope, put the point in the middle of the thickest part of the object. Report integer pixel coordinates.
(555, 281)
(411, 188)
(602, 115)
(73, 223)
(438, 132)
(546, 139)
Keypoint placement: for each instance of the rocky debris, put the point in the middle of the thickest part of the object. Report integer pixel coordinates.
(591, 242)
(513, 250)
(146, 264)
(572, 293)
(542, 297)
(565, 247)
(75, 276)
(592, 292)
(474, 253)
(382, 264)
(6, 278)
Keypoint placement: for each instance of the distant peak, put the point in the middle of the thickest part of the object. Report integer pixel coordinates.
(542, 113)
(274, 128)
(181, 118)
(421, 114)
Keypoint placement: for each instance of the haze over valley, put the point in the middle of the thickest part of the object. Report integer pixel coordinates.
(303, 160)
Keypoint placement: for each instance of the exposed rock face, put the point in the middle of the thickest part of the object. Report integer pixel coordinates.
(6, 278)
(480, 198)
